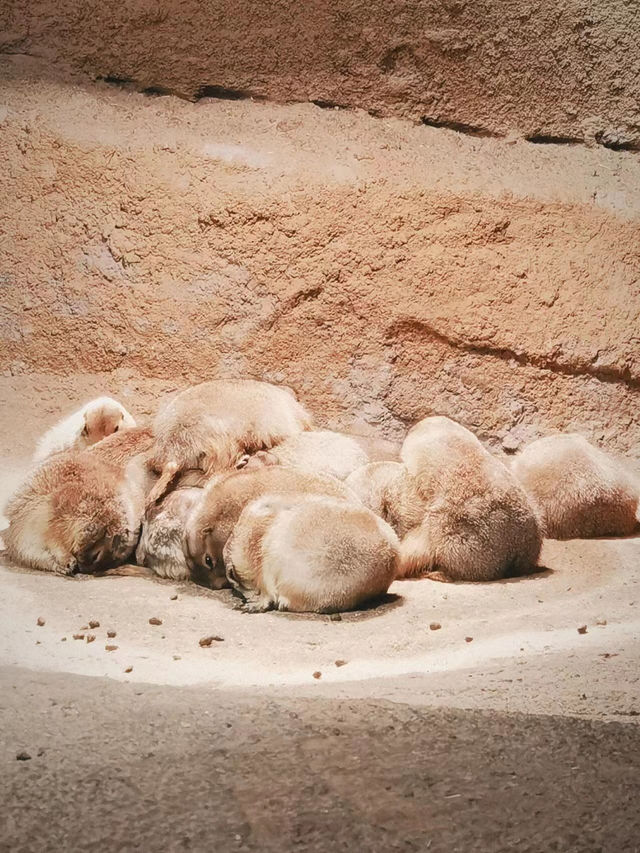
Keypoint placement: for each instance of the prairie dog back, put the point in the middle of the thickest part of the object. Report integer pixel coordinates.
(309, 554)
(317, 451)
(94, 421)
(579, 490)
(210, 425)
(477, 522)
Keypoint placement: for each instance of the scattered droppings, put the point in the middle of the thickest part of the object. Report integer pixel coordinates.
(155, 621)
(63, 639)
(78, 636)
(177, 657)
(90, 638)
(435, 626)
(111, 634)
(601, 621)
(94, 624)
(606, 655)
(23, 756)
(341, 663)
(335, 617)
(40, 621)
(468, 639)
(205, 642)
(110, 648)
(317, 674)
(38, 642)
(582, 629)
(129, 669)
(173, 598)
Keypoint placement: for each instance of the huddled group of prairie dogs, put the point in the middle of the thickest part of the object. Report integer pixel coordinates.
(231, 485)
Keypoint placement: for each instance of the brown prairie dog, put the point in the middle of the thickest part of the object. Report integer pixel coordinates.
(579, 490)
(459, 512)
(93, 422)
(316, 451)
(81, 510)
(309, 554)
(211, 523)
(210, 425)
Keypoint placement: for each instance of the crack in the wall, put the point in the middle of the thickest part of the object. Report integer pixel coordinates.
(585, 371)
(543, 139)
(460, 127)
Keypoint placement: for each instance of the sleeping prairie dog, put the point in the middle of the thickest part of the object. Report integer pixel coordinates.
(317, 451)
(579, 490)
(309, 554)
(210, 425)
(93, 422)
(81, 511)
(477, 522)
(459, 513)
(211, 523)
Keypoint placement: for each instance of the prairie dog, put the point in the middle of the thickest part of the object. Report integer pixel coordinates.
(160, 546)
(459, 512)
(210, 425)
(81, 511)
(211, 523)
(316, 451)
(93, 422)
(579, 490)
(309, 554)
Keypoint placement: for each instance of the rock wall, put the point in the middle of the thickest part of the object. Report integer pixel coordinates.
(383, 268)
(546, 69)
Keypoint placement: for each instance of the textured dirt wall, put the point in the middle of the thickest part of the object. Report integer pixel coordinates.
(384, 270)
(556, 68)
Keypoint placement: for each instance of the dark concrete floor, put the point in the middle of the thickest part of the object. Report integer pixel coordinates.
(130, 767)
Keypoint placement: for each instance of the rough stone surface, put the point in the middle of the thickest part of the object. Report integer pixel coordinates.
(548, 70)
(384, 270)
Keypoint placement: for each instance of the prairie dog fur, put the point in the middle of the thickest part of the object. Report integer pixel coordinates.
(93, 422)
(81, 510)
(210, 425)
(309, 554)
(579, 490)
(212, 522)
(459, 512)
(316, 451)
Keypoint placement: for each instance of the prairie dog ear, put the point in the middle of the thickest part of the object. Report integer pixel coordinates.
(261, 459)
(205, 531)
(242, 461)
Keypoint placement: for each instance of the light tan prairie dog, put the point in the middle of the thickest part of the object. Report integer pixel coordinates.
(93, 422)
(211, 425)
(212, 522)
(579, 490)
(317, 451)
(81, 511)
(459, 512)
(309, 554)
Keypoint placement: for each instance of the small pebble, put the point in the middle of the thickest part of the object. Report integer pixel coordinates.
(63, 639)
(129, 669)
(582, 629)
(78, 636)
(111, 634)
(110, 648)
(94, 624)
(173, 598)
(84, 628)
(468, 639)
(40, 621)
(205, 642)
(341, 663)
(317, 674)
(37, 642)
(155, 621)
(177, 657)
(601, 621)
(90, 638)
(23, 756)
(435, 626)
(335, 617)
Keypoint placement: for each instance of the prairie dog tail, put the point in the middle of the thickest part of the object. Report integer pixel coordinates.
(163, 484)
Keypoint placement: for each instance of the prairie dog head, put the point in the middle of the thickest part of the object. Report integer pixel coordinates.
(103, 417)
